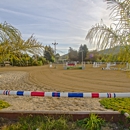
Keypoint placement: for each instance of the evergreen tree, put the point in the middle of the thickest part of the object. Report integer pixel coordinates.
(72, 55)
(82, 50)
(49, 54)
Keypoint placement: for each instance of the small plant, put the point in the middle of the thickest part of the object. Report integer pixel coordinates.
(41, 123)
(3, 104)
(128, 119)
(117, 104)
(52, 124)
(91, 123)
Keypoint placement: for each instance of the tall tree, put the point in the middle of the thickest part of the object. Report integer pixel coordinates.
(73, 54)
(83, 51)
(119, 31)
(49, 53)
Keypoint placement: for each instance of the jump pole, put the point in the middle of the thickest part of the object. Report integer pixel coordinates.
(65, 94)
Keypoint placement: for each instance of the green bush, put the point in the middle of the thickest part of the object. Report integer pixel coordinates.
(41, 123)
(117, 104)
(40, 63)
(91, 123)
(3, 104)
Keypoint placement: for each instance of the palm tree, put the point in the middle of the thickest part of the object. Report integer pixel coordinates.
(12, 44)
(119, 31)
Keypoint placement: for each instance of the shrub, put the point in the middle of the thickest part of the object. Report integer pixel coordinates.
(91, 123)
(3, 104)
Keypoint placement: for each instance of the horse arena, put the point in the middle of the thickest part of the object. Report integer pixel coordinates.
(50, 79)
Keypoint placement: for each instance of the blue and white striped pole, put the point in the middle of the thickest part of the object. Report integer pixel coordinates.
(65, 94)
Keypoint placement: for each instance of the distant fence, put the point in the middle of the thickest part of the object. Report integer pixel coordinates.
(64, 94)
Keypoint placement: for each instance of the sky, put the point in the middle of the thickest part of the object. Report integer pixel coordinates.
(65, 22)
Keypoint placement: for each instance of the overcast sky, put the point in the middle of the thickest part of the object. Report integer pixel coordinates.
(66, 21)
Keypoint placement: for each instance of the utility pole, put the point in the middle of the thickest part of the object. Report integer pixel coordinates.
(55, 51)
(82, 56)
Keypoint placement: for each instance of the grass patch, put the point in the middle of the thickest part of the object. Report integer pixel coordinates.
(41, 123)
(117, 104)
(79, 67)
(3, 104)
(62, 123)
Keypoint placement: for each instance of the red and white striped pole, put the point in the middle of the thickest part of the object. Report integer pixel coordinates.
(65, 94)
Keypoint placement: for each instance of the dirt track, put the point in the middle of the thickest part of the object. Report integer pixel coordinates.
(48, 79)
(88, 80)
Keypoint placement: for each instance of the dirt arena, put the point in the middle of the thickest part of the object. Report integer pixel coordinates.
(44, 78)
(88, 80)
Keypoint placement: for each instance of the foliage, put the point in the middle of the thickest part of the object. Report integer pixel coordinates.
(49, 54)
(3, 104)
(40, 63)
(91, 123)
(41, 123)
(118, 32)
(60, 123)
(117, 104)
(73, 54)
(57, 56)
(26, 60)
(84, 49)
(12, 45)
(124, 54)
(109, 58)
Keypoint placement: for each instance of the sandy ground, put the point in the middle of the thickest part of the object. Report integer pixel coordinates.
(48, 79)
